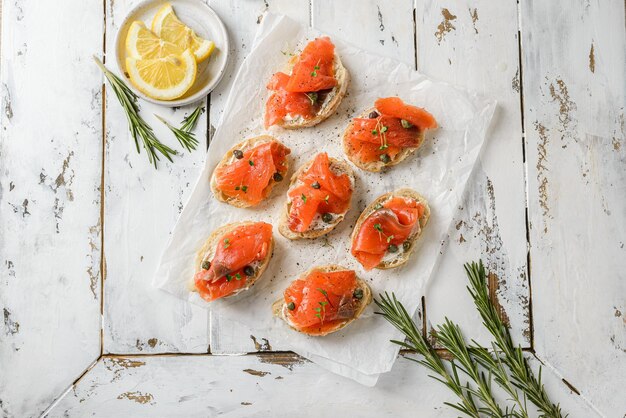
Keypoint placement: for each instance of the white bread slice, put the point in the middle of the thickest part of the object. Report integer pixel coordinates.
(280, 310)
(283, 226)
(376, 166)
(403, 256)
(228, 159)
(331, 101)
(207, 252)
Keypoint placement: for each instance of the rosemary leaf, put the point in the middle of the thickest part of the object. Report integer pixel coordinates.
(185, 138)
(190, 121)
(394, 312)
(512, 356)
(137, 126)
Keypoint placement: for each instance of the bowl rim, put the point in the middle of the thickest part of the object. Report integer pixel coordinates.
(200, 94)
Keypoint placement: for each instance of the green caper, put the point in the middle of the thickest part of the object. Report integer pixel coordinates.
(316, 185)
(392, 248)
(385, 158)
(238, 154)
(291, 306)
(358, 294)
(206, 265)
(248, 271)
(327, 217)
(278, 176)
(406, 245)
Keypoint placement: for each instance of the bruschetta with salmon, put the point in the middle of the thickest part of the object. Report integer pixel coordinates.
(386, 134)
(323, 300)
(248, 172)
(310, 89)
(319, 196)
(385, 234)
(232, 259)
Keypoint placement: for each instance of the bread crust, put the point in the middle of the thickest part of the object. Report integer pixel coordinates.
(404, 256)
(283, 223)
(377, 166)
(210, 245)
(329, 107)
(226, 160)
(279, 308)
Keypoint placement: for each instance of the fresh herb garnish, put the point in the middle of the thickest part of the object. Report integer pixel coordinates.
(389, 238)
(326, 198)
(244, 188)
(378, 227)
(317, 67)
(321, 311)
(406, 124)
(226, 243)
(138, 127)
(250, 162)
(303, 197)
(238, 276)
(374, 132)
(229, 277)
(384, 129)
(312, 97)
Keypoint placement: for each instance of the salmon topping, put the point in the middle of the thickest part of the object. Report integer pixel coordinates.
(319, 191)
(321, 300)
(296, 95)
(235, 252)
(393, 127)
(386, 229)
(248, 178)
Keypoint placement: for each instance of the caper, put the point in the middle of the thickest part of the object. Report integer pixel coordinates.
(358, 293)
(248, 271)
(291, 306)
(316, 185)
(406, 245)
(278, 176)
(327, 217)
(238, 154)
(206, 265)
(385, 158)
(392, 248)
(373, 115)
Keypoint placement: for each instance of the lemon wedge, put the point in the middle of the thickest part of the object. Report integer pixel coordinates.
(142, 43)
(165, 78)
(168, 27)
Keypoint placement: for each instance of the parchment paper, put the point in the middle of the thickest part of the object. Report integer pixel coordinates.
(439, 171)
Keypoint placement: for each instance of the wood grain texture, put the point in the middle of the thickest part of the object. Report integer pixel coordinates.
(474, 44)
(141, 205)
(50, 169)
(256, 386)
(574, 64)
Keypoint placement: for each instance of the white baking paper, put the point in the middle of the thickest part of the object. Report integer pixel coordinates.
(439, 171)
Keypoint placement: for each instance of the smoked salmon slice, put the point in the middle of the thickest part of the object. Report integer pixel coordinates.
(386, 230)
(318, 191)
(235, 260)
(250, 173)
(319, 301)
(300, 94)
(390, 128)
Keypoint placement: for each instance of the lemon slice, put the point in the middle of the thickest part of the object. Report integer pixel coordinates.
(141, 43)
(167, 26)
(164, 78)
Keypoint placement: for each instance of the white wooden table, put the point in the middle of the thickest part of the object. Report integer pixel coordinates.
(83, 218)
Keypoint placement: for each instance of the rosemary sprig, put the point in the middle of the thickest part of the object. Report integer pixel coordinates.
(190, 121)
(512, 356)
(396, 314)
(185, 138)
(499, 373)
(137, 126)
(450, 337)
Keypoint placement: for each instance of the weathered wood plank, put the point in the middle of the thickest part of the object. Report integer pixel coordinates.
(242, 18)
(474, 44)
(574, 64)
(50, 171)
(141, 207)
(247, 386)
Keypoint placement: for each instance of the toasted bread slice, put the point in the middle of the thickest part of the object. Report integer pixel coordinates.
(331, 102)
(280, 310)
(404, 253)
(376, 166)
(207, 252)
(229, 158)
(283, 225)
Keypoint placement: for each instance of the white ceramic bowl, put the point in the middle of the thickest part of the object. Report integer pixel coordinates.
(205, 22)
